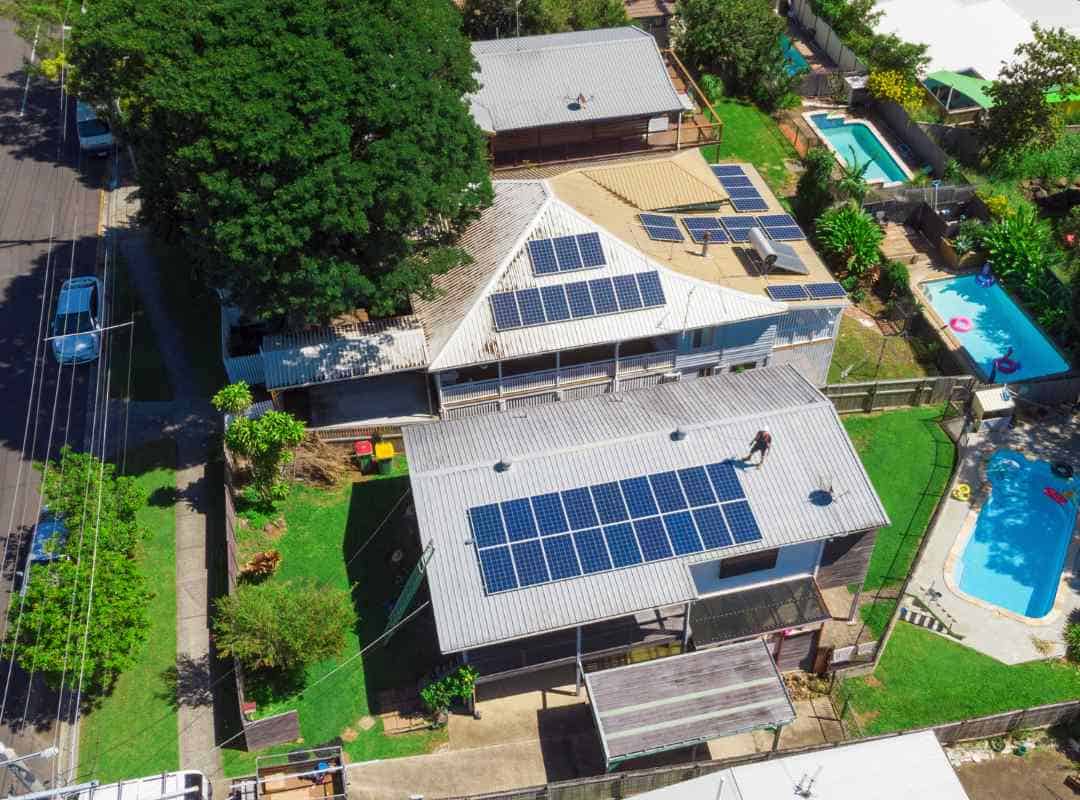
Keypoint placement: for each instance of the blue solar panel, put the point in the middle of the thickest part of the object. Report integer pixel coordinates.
(786, 234)
(741, 522)
(530, 563)
(542, 254)
(659, 234)
(744, 204)
(825, 291)
(711, 526)
(561, 558)
(555, 307)
(603, 295)
(790, 291)
(740, 192)
(549, 514)
(497, 569)
(657, 220)
(639, 497)
(626, 289)
(580, 302)
(579, 508)
(487, 525)
(699, 226)
(777, 221)
(696, 486)
(684, 536)
(532, 309)
(738, 228)
(722, 170)
(609, 503)
(505, 310)
(725, 481)
(652, 292)
(592, 253)
(732, 181)
(566, 251)
(592, 551)
(669, 495)
(653, 539)
(519, 520)
(623, 545)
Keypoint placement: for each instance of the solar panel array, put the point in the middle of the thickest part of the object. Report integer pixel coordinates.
(744, 196)
(661, 227)
(781, 227)
(738, 228)
(590, 529)
(807, 291)
(699, 227)
(566, 253)
(547, 304)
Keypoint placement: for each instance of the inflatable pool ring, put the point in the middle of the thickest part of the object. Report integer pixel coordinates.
(962, 492)
(1061, 469)
(1055, 495)
(985, 281)
(960, 324)
(1007, 365)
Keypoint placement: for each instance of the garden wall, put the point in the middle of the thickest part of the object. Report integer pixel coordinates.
(914, 136)
(903, 393)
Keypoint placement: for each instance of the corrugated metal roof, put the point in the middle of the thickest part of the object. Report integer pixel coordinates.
(342, 352)
(691, 303)
(656, 185)
(584, 442)
(533, 81)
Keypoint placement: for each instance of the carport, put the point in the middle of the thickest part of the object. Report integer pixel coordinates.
(685, 700)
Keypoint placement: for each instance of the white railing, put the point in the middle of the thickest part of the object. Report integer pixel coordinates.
(587, 372)
(530, 381)
(475, 390)
(245, 368)
(648, 362)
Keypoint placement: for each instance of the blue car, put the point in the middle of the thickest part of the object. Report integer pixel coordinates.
(50, 535)
(76, 326)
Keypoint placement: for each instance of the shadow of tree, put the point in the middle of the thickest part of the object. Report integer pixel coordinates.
(187, 683)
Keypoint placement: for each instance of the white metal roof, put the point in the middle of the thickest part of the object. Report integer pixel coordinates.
(612, 437)
(533, 81)
(898, 768)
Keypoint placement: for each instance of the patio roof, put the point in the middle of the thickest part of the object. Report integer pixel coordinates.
(967, 85)
(776, 606)
(677, 702)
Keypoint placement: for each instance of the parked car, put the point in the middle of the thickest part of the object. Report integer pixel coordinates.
(77, 323)
(95, 136)
(50, 535)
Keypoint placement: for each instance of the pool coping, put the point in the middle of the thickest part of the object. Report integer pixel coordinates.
(837, 154)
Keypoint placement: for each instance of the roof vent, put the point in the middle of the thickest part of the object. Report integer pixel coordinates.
(678, 435)
(503, 465)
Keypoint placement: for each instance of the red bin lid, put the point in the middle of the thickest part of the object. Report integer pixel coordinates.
(362, 447)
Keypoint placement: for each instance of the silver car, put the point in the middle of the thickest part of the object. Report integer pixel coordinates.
(76, 327)
(95, 137)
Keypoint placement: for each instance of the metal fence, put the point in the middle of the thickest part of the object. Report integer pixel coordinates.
(902, 393)
(825, 38)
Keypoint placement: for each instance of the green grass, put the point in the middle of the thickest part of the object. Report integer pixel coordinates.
(859, 348)
(925, 679)
(149, 380)
(751, 135)
(876, 615)
(325, 528)
(133, 731)
(909, 459)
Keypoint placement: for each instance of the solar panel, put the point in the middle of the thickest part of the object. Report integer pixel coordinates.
(725, 482)
(777, 221)
(699, 226)
(825, 291)
(623, 545)
(561, 558)
(532, 308)
(660, 234)
(555, 306)
(591, 550)
(580, 302)
(741, 522)
(787, 293)
(724, 170)
(603, 295)
(653, 539)
(786, 234)
(744, 204)
(657, 220)
(487, 525)
(787, 259)
(592, 253)
(652, 292)
(609, 503)
(712, 527)
(579, 508)
(519, 520)
(497, 569)
(731, 181)
(639, 497)
(696, 486)
(682, 533)
(738, 192)
(530, 563)
(626, 289)
(738, 228)
(669, 495)
(550, 517)
(566, 251)
(542, 254)
(504, 309)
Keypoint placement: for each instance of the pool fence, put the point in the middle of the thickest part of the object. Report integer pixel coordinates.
(902, 393)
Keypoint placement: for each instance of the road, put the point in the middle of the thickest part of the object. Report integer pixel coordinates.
(49, 207)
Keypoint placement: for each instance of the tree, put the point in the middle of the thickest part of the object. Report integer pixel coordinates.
(233, 399)
(847, 16)
(494, 19)
(1021, 116)
(813, 194)
(852, 182)
(49, 639)
(283, 626)
(268, 442)
(309, 156)
(739, 42)
(851, 236)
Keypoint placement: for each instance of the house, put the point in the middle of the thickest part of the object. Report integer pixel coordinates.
(583, 530)
(566, 296)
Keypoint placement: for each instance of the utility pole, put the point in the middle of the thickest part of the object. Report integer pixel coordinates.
(13, 761)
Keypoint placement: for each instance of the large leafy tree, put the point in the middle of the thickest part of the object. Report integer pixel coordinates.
(492, 19)
(310, 156)
(739, 42)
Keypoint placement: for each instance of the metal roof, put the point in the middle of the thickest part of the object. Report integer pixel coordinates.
(612, 437)
(671, 703)
(532, 81)
(658, 185)
(762, 609)
(343, 352)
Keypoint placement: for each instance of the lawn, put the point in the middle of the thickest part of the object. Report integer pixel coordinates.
(133, 731)
(325, 529)
(925, 679)
(751, 135)
(138, 345)
(864, 354)
(909, 459)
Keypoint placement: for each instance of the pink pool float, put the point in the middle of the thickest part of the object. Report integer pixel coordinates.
(960, 324)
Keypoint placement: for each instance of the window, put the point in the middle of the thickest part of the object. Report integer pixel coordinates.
(743, 565)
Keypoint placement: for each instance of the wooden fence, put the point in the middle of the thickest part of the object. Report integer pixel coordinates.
(903, 393)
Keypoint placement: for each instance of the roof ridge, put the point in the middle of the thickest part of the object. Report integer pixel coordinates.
(583, 41)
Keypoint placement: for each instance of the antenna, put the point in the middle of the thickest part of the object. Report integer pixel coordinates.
(805, 786)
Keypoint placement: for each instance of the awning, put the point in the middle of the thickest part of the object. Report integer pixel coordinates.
(967, 85)
(681, 701)
(752, 612)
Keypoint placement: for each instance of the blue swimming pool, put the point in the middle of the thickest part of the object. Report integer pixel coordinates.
(997, 324)
(796, 63)
(857, 139)
(1017, 551)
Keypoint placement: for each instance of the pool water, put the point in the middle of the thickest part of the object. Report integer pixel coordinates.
(997, 324)
(795, 61)
(1017, 551)
(856, 138)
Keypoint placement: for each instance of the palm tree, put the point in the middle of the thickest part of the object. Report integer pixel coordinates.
(852, 183)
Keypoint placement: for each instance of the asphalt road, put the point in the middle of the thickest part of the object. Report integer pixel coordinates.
(49, 206)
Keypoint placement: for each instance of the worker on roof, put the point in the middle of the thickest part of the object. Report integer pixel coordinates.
(761, 444)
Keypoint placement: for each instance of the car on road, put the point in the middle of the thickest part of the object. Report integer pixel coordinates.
(76, 327)
(95, 136)
(49, 537)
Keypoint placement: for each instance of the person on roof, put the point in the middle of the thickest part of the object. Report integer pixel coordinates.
(761, 444)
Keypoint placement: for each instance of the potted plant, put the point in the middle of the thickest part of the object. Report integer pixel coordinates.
(439, 694)
(964, 250)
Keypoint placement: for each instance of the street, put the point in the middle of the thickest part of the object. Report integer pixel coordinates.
(46, 196)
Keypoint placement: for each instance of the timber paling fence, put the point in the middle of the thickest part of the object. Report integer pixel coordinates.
(903, 393)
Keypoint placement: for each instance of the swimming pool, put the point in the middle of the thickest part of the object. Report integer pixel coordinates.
(849, 139)
(795, 61)
(1017, 551)
(997, 324)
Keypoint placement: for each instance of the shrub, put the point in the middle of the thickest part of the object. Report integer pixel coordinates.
(1072, 641)
(233, 399)
(269, 442)
(968, 237)
(895, 280)
(851, 237)
(895, 86)
(459, 684)
(812, 195)
(997, 204)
